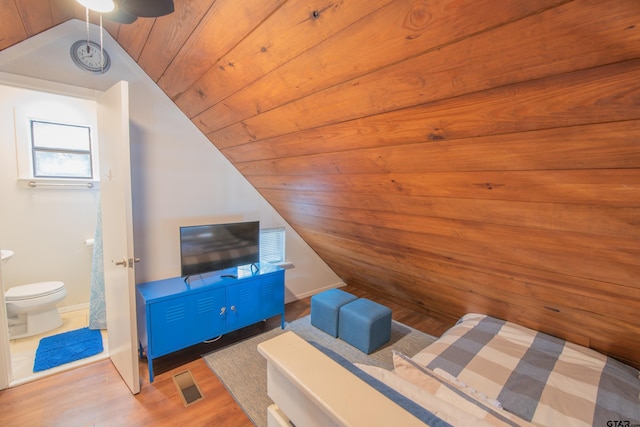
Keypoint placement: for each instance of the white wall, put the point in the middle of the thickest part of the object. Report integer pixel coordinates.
(178, 176)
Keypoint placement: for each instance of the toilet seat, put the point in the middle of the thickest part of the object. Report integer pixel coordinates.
(33, 290)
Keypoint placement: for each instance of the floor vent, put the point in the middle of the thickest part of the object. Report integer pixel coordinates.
(187, 388)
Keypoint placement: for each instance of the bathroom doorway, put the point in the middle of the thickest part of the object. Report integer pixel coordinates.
(75, 314)
(48, 228)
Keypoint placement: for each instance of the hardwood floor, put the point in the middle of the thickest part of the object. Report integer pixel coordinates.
(94, 395)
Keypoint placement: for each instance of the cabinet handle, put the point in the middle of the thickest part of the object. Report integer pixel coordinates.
(222, 311)
(233, 308)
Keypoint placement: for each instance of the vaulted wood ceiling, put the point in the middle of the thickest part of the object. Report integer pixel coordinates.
(457, 155)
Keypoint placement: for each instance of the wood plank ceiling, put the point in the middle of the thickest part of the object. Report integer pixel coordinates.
(456, 155)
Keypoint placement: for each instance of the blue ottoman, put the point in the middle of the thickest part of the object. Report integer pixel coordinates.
(365, 324)
(325, 309)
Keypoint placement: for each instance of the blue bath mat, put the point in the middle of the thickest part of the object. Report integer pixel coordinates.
(67, 347)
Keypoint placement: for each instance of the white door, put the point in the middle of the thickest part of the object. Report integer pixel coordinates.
(115, 193)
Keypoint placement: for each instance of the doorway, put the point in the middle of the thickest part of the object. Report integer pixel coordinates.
(47, 224)
(62, 254)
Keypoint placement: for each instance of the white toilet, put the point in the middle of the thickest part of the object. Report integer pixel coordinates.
(31, 309)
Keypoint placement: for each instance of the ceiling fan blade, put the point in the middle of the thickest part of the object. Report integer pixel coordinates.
(120, 15)
(147, 8)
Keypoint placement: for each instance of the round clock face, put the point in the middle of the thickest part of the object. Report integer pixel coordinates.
(87, 55)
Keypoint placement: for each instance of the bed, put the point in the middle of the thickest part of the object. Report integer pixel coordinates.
(482, 371)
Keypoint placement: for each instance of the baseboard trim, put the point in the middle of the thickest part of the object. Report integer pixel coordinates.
(83, 306)
(296, 297)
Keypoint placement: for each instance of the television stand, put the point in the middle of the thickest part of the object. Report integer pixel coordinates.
(173, 314)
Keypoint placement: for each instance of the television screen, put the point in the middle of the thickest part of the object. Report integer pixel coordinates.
(206, 248)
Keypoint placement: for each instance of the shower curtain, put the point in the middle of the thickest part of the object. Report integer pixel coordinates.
(97, 308)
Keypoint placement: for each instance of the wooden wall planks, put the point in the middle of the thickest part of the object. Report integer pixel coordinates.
(454, 155)
(224, 25)
(550, 149)
(442, 73)
(583, 97)
(167, 37)
(266, 49)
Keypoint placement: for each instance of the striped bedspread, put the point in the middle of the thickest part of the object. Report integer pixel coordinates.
(544, 380)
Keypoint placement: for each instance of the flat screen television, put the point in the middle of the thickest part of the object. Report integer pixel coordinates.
(213, 247)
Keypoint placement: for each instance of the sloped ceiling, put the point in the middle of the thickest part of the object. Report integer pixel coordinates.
(478, 155)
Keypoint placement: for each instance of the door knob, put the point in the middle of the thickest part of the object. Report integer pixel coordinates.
(127, 262)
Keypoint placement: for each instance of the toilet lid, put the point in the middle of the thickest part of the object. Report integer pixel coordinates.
(33, 290)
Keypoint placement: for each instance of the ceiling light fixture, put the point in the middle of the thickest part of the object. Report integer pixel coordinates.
(127, 11)
(100, 6)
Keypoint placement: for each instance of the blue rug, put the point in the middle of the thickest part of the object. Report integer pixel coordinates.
(67, 347)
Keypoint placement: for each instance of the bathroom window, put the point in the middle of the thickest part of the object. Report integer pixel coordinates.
(272, 245)
(60, 150)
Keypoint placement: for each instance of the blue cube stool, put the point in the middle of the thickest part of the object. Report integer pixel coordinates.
(364, 324)
(325, 309)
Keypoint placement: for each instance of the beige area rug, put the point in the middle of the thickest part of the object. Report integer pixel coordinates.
(244, 371)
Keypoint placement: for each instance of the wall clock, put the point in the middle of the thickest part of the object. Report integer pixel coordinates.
(86, 55)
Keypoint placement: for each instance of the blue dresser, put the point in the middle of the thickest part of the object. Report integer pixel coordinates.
(173, 314)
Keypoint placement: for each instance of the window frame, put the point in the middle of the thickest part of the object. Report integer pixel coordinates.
(41, 148)
(281, 237)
